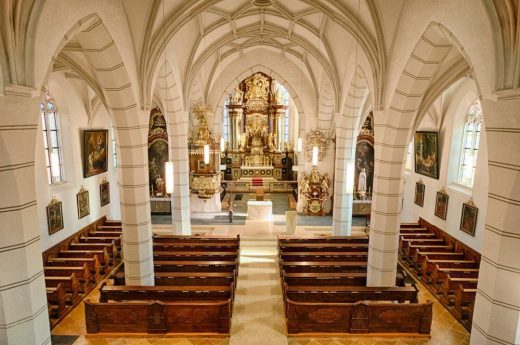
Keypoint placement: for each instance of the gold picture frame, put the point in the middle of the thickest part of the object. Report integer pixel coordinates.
(441, 204)
(468, 218)
(104, 193)
(83, 203)
(419, 193)
(54, 216)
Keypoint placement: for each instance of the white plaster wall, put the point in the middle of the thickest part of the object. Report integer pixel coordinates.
(450, 142)
(73, 120)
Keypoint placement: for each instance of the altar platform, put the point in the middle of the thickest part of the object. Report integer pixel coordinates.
(259, 217)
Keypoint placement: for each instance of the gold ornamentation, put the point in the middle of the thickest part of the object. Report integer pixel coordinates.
(205, 186)
(319, 139)
(203, 135)
(257, 92)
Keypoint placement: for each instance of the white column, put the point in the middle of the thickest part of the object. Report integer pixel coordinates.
(181, 195)
(386, 198)
(496, 318)
(135, 200)
(23, 301)
(345, 149)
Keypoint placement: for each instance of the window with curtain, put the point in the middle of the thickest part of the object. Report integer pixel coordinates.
(470, 143)
(52, 140)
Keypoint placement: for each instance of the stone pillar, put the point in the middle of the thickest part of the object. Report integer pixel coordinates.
(386, 199)
(496, 317)
(235, 118)
(345, 155)
(180, 198)
(23, 301)
(134, 197)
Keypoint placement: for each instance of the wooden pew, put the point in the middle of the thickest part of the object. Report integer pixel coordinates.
(92, 263)
(331, 278)
(283, 239)
(360, 317)
(106, 233)
(428, 266)
(350, 294)
(195, 266)
(407, 225)
(110, 247)
(420, 256)
(412, 248)
(405, 243)
(323, 266)
(102, 255)
(112, 222)
(194, 239)
(56, 299)
(323, 247)
(440, 274)
(451, 284)
(195, 256)
(323, 256)
(158, 317)
(186, 278)
(419, 230)
(463, 298)
(205, 247)
(110, 227)
(165, 293)
(70, 284)
(101, 239)
(82, 273)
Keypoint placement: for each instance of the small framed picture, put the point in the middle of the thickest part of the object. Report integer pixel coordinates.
(419, 193)
(54, 216)
(82, 201)
(104, 193)
(426, 154)
(441, 205)
(95, 152)
(468, 219)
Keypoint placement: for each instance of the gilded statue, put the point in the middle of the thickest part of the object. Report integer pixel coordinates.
(325, 185)
(257, 92)
(237, 96)
(243, 142)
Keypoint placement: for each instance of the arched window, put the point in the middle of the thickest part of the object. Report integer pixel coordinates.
(225, 121)
(470, 143)
(114, 151)
(51, 139)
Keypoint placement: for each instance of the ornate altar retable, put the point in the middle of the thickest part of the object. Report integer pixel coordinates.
(315, 191)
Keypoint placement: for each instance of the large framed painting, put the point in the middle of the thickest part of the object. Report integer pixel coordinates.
(468, 219)
(104, 193)
(427, 154)
(441, 204)
(419, 193)
(82, 201)
(95, 152)
(54, 216)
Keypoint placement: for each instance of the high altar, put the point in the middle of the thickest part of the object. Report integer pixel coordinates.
(257, 154)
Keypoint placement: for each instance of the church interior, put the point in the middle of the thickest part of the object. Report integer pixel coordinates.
(260, 172)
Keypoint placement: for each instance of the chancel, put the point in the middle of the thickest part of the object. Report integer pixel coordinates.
(259, 172)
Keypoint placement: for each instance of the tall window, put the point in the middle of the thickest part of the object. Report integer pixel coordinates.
(409, 164)
(225, 121)
(51, 140)
(470, 142)
(285, 96)
(114, 151)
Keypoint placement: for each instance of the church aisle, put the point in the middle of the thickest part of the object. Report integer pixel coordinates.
(258, 317)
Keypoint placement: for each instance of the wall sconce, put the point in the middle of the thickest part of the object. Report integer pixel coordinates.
(349, 183)
(315, 155)
(299, 146)
(206, 154)
(168, 172)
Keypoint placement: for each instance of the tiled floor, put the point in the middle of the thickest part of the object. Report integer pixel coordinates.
(258, 308)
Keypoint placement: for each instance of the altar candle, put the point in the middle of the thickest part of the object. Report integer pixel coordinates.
(315, 155)
(168, 172)
(206, 154)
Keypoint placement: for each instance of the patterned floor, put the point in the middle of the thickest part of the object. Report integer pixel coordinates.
(258, 309)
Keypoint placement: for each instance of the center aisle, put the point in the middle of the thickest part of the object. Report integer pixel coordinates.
(258, 308)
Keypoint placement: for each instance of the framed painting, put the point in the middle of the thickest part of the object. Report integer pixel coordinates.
(441, 205)
(82, 201)
(426, 154)
(104, 193)
(468, 219)
(95, 152)
(419, 193)
(54, 216)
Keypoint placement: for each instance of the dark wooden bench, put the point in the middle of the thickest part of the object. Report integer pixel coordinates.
(92, 263)
(196, 266)
(428, 266)
(350, 294)
(70, 284)
(323, 266)
(451, 284)
(188, 293)
(282, 239)
(195, 256)
(205, 247)
(407, 225)
(82, 273)
(195, 239)
(56, 300)
(405, 244)
(158, 317)
(419, 230)
(102, 255)
(418, 235)
(331, 278)
(110, 248)
(463, 298)
(185, 278)
(110, 228)
(323, 247)
(324, 256)
(439, 274)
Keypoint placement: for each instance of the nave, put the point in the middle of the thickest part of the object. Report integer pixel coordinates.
(258, 307)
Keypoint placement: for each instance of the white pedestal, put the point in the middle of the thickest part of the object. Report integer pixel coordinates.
(259, 217)
(260, 210)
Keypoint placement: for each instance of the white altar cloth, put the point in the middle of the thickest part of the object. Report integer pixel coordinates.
(260, 210)
(205, 205)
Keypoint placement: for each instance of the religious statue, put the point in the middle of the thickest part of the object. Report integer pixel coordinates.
(160, 187)
(237, 96)
(243, 142)
(325, 185)
(315, 176)
(306, 188)
(270, 142)
(362, 182)
(277, 94)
